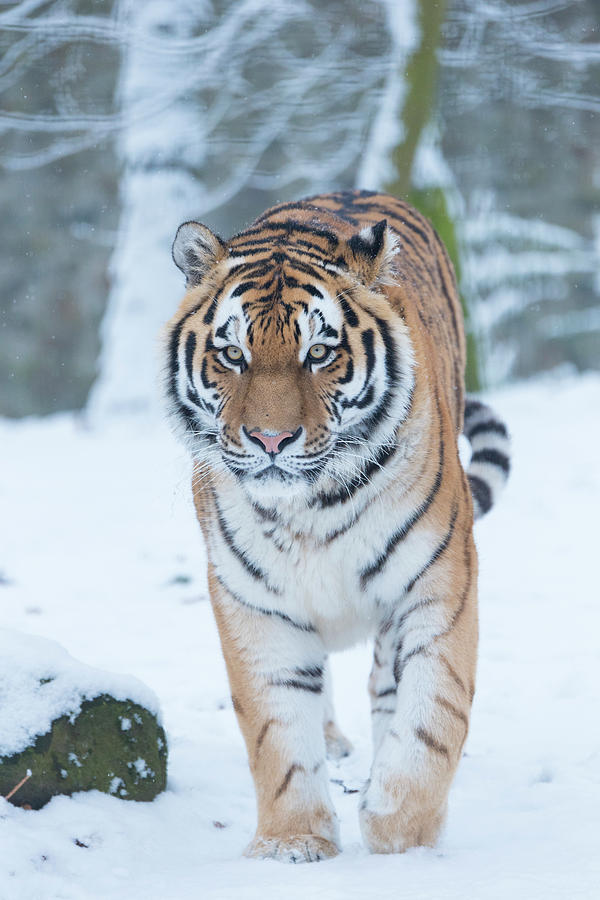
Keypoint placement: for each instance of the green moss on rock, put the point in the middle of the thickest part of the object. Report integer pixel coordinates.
(113, 746)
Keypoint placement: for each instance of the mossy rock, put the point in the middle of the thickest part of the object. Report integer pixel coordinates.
(114, 746)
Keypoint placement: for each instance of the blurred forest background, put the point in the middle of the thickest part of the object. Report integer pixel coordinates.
(119, 119)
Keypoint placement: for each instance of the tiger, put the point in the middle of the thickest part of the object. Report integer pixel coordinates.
(315, 372)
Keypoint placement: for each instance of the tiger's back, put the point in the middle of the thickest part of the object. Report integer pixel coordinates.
(315, 369)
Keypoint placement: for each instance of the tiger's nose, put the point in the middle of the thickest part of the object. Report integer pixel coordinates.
(273, 443)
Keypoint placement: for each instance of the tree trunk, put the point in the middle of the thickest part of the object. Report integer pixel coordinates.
(158, 145)
(415, 112)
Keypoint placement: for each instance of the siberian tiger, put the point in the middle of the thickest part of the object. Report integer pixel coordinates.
(315, 371)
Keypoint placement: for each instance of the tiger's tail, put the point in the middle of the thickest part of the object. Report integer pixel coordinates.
(488, 469)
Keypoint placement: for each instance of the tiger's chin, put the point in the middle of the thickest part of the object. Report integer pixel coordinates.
(274, 483)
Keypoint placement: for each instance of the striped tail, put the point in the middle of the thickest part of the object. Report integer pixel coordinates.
(490, 461)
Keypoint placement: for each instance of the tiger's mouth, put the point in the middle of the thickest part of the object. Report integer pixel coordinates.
(245, 469)
(272, 482)
(274, 471)
(277, 472)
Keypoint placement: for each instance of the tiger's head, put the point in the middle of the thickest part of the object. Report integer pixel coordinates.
(286, 363)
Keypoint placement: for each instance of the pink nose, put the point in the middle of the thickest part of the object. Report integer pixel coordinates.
(271, 442)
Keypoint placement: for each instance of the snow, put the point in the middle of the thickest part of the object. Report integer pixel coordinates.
(40, 682)
(101, 552)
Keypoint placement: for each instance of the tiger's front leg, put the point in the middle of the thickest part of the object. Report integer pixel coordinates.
(276, 669)
(421, 686)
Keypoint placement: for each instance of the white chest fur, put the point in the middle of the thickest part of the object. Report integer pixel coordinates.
(308, 564)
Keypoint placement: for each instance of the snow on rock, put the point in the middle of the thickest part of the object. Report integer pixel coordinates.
(40, 682)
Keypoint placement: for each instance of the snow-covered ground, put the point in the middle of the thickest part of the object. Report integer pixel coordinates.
(100, 551)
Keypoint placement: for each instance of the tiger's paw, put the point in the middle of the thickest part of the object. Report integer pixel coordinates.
(396, 832)
(398, 813)
(297, 848)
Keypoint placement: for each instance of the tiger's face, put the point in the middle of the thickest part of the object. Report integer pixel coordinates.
(284, 365)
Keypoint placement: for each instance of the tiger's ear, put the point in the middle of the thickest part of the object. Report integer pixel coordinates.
(196, 250)
(370, 254)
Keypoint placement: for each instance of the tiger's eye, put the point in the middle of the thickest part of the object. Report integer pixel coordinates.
(234, 354)
(318, 352)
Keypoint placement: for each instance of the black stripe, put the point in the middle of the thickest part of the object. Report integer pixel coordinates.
(402, 532)
(431, 742)
(301, 626)
(481, 492)
(495, 457)
(248, 565)
(416, 229)
(258, 244)
(439, 550)
(204, 377)
(287, 778)
(307, 269)
(365, 400)
(349, 314)
(174, 361)
(265, 514)
(349, 374)
(263, 732)
(391, 369)
(182, 411)
(212, 308)
(190, 349)
(382, 456)
(473, 406)
(221, 331)
(387, 693)
(287, 227)
(257, 268)
(264, 266)
(251, 251)
(400, 663)
(316, 251)
(454, 710)
(194, 399)
(398, 666)
(254, 245)
(492, 426)
(311, 289)
(419, 650)
(420, 263)
(445, 256)
(242, 288)
(452, 301)
(367, 339)
(449, 300)
(453, 673)
(174, 358)
(309, 672)
(422, 604)
(312, 688)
